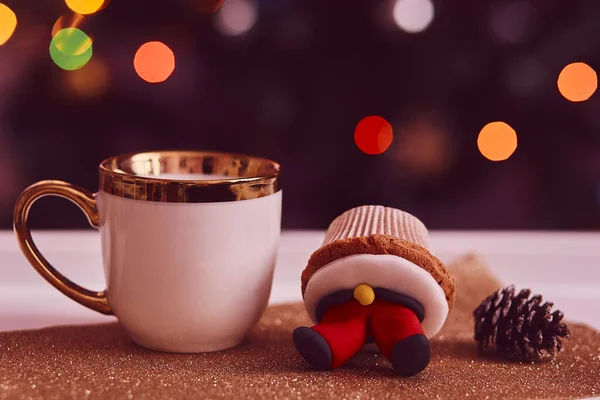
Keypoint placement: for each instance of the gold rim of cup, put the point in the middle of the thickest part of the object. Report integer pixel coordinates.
(161, 176)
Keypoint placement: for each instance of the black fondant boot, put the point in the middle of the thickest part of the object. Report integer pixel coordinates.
(312, 347)
(411, 355)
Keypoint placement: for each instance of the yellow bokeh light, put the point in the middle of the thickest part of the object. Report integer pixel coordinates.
(577, 82)
(497, 141)
(8, 23)
(85, 6)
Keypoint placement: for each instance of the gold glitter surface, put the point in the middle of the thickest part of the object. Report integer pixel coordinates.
(100, 362)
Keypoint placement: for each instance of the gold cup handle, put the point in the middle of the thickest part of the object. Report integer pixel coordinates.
(86, 201)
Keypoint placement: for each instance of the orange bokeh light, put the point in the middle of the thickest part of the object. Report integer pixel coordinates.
(577, 82)
(68, 21)
(89, 81)
(373, 135)
(154, 62)
(497, 141)
(206, 6)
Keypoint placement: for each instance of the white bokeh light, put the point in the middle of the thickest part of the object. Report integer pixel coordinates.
(236, 17)
(413, 16)
(513, 22)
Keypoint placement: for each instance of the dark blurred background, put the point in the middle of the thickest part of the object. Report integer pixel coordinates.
(290, 80)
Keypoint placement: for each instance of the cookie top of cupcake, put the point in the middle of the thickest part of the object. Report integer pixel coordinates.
(381, 247)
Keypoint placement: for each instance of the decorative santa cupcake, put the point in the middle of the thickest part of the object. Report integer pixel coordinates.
(374, 279)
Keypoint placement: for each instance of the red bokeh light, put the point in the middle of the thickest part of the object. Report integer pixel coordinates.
(373, 135)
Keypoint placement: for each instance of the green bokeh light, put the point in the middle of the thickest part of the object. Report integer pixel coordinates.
(71, 49)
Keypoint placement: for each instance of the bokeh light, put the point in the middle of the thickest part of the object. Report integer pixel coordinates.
(413, 16)
(236, 17)
(8, 23)
(90, 81)
(497, 141)
(425, 148)
(71, 49)
(206, 6)
(154, 62)
(72, 20)
(577, 82)
(513, 22)
(86, 6)
(373, 135)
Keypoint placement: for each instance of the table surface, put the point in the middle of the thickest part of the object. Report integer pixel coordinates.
(563, 267)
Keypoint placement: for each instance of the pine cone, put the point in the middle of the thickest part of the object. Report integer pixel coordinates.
(519, 326)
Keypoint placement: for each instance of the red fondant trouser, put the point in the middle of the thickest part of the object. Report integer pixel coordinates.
(347, 326)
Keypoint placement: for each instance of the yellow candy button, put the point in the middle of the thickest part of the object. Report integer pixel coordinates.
(364, 294)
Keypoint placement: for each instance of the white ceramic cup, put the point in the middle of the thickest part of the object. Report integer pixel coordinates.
(189, 243)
